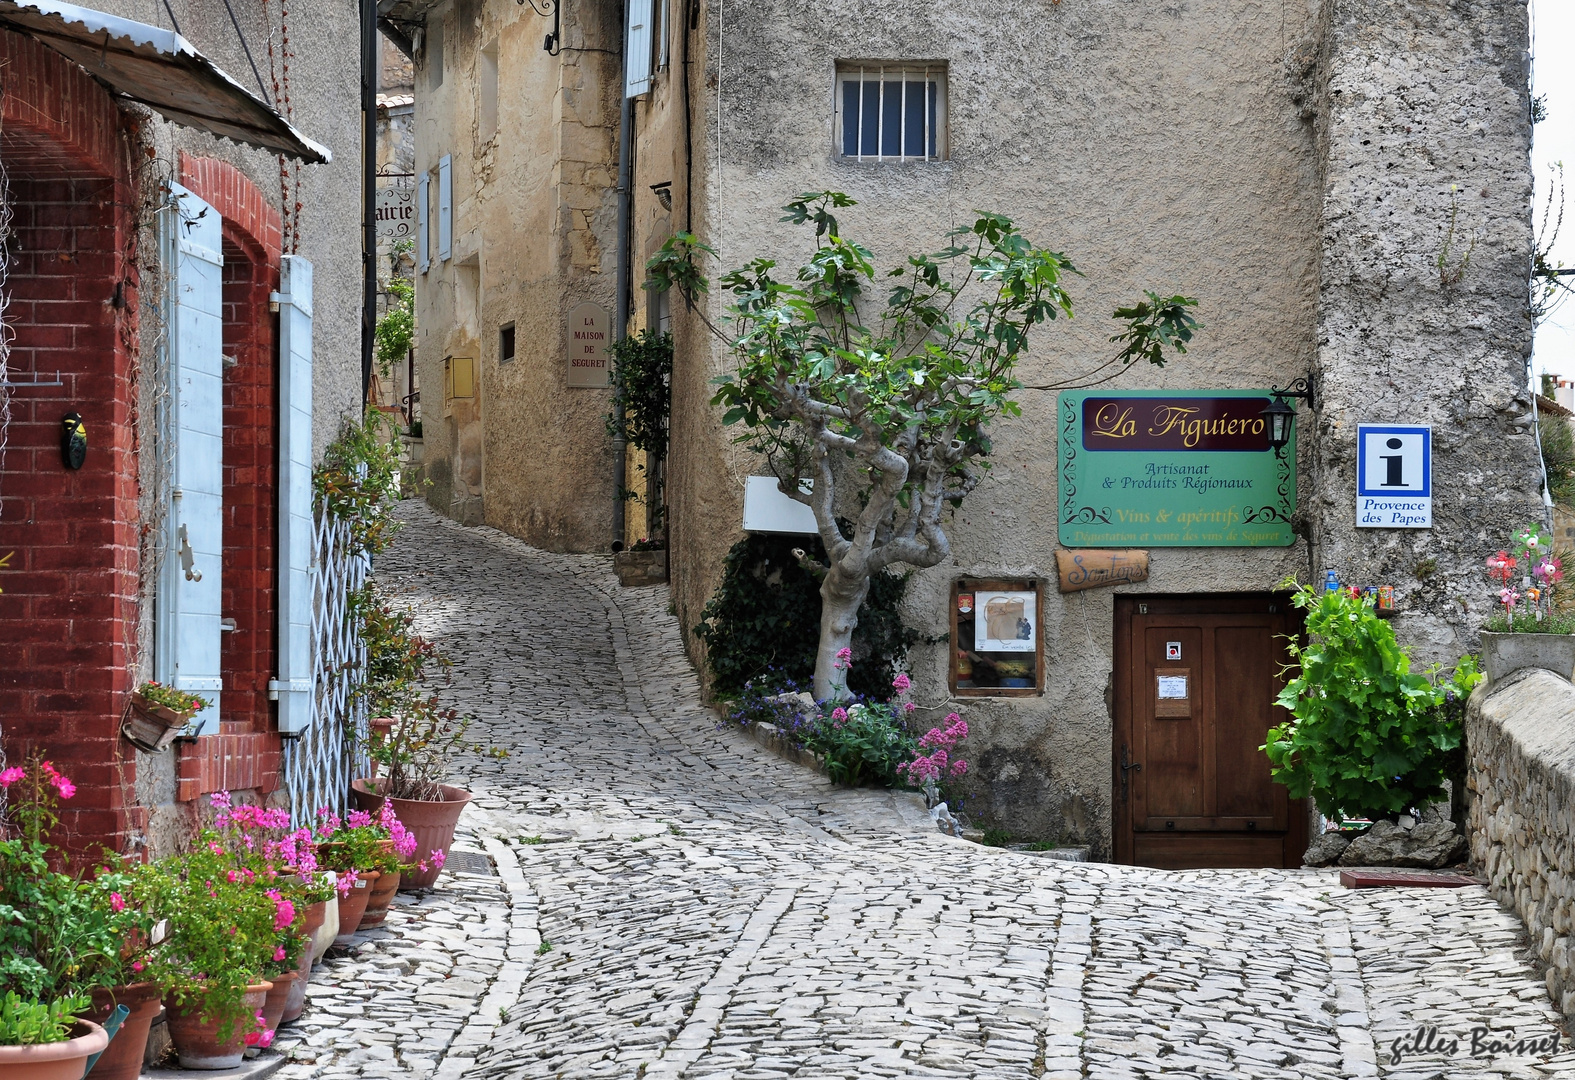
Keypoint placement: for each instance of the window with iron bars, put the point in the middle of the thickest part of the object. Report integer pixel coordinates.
(891, 111)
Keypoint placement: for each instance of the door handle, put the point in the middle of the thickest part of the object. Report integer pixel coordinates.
(1127, 765)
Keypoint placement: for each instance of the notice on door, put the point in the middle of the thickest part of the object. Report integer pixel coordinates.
(1394, 476)
(1172, 696)
(586, 345)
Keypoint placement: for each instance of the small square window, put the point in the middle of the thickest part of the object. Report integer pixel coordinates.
(506, 343)
(997, 639)
(891, 111)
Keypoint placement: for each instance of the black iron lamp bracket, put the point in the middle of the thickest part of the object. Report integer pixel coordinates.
(1301, 388)
(553, 42)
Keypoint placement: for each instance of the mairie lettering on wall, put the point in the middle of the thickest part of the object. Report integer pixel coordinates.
(586, 346)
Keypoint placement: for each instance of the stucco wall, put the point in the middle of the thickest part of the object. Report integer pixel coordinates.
(1289, 167)
(1520, 731)
(1158, 149)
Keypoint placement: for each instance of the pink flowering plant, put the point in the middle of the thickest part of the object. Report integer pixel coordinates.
(1525, 578)
(928, 770)
(61, 934)
(362, 841)
(222, 925)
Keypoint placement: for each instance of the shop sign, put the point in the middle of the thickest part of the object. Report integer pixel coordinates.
(1084, 569)
(586, 346)
(396, 213)
(1394, 476)
(1173, 468)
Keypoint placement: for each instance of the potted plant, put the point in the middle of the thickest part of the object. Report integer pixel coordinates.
(415, 758)
(417, 748)
(224, 905)
(1368, 738)
(1528, 630)
(159, 714)
(46, 1040)
(62, 936)
(361, 852)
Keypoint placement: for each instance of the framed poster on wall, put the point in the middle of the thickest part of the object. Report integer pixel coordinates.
(997, 642)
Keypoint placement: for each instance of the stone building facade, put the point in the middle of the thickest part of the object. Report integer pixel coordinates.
(1314, 174)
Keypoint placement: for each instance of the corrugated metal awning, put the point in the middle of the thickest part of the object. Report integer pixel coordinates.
(162, 70)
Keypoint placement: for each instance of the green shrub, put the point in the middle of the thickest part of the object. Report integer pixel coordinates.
(766, 614)
(1368, 737)
(860, 742)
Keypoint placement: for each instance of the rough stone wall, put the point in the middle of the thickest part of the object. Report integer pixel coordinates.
(1425, 117)
(534, 235)
(1521, 733)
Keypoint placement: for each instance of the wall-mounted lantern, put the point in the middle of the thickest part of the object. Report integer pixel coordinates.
(1279, 415)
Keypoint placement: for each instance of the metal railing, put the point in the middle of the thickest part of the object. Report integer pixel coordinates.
(320, 762)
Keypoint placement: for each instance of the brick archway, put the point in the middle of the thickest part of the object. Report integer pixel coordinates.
(245, 755)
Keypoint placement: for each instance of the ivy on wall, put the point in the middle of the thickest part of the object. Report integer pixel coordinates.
(766, 614)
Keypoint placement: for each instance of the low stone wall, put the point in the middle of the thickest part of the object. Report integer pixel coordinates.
(1520, 731)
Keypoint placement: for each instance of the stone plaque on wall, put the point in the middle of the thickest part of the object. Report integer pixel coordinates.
(588, 334)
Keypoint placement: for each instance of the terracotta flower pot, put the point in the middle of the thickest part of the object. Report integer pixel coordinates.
(381, 900)
(152, 727)
(295, 1002)
(352, 906)
(54, 1061)
(123, 1059)
(196, 1036)
(278, 997)
(432, 823)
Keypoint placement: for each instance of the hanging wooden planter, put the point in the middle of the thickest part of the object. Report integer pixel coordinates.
(153, 727)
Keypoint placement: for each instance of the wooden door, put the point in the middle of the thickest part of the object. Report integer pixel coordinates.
(1195, 682)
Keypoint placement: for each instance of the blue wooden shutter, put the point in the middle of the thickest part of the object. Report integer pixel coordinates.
(186, 649)
(637, 49)
(445, 207)
(293, 687)
(423, 223)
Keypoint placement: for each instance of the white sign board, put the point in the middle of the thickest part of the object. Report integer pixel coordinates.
(585, 340)
(396, 213)
(766, 509)
(1394, 476)
(1004, 621)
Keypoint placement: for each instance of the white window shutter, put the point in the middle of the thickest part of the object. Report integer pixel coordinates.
(186, 649)
(637, 49)
(445, 207)
(293, 687)
(423, 223)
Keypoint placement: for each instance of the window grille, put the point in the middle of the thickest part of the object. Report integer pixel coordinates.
(891, 112)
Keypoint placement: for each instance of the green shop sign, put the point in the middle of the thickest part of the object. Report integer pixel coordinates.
(1173, 468)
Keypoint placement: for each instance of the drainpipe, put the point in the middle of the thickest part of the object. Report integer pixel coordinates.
(368, 192)
(621, 318)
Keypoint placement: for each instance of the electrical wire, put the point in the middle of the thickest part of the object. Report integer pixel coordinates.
(245, 49)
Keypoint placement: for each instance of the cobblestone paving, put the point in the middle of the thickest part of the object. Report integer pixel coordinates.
(671, 900)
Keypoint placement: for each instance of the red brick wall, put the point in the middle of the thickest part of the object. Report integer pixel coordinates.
(246, 753)
(68, 610)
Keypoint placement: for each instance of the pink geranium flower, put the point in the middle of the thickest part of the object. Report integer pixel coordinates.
(117, 903)
(901, 683)
(11, 776)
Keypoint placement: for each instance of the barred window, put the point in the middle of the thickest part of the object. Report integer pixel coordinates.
(894, 111)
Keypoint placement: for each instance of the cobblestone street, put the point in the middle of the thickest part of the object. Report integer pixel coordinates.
(641, 894)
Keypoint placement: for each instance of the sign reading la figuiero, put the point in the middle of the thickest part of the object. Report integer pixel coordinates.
(1168, 468)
